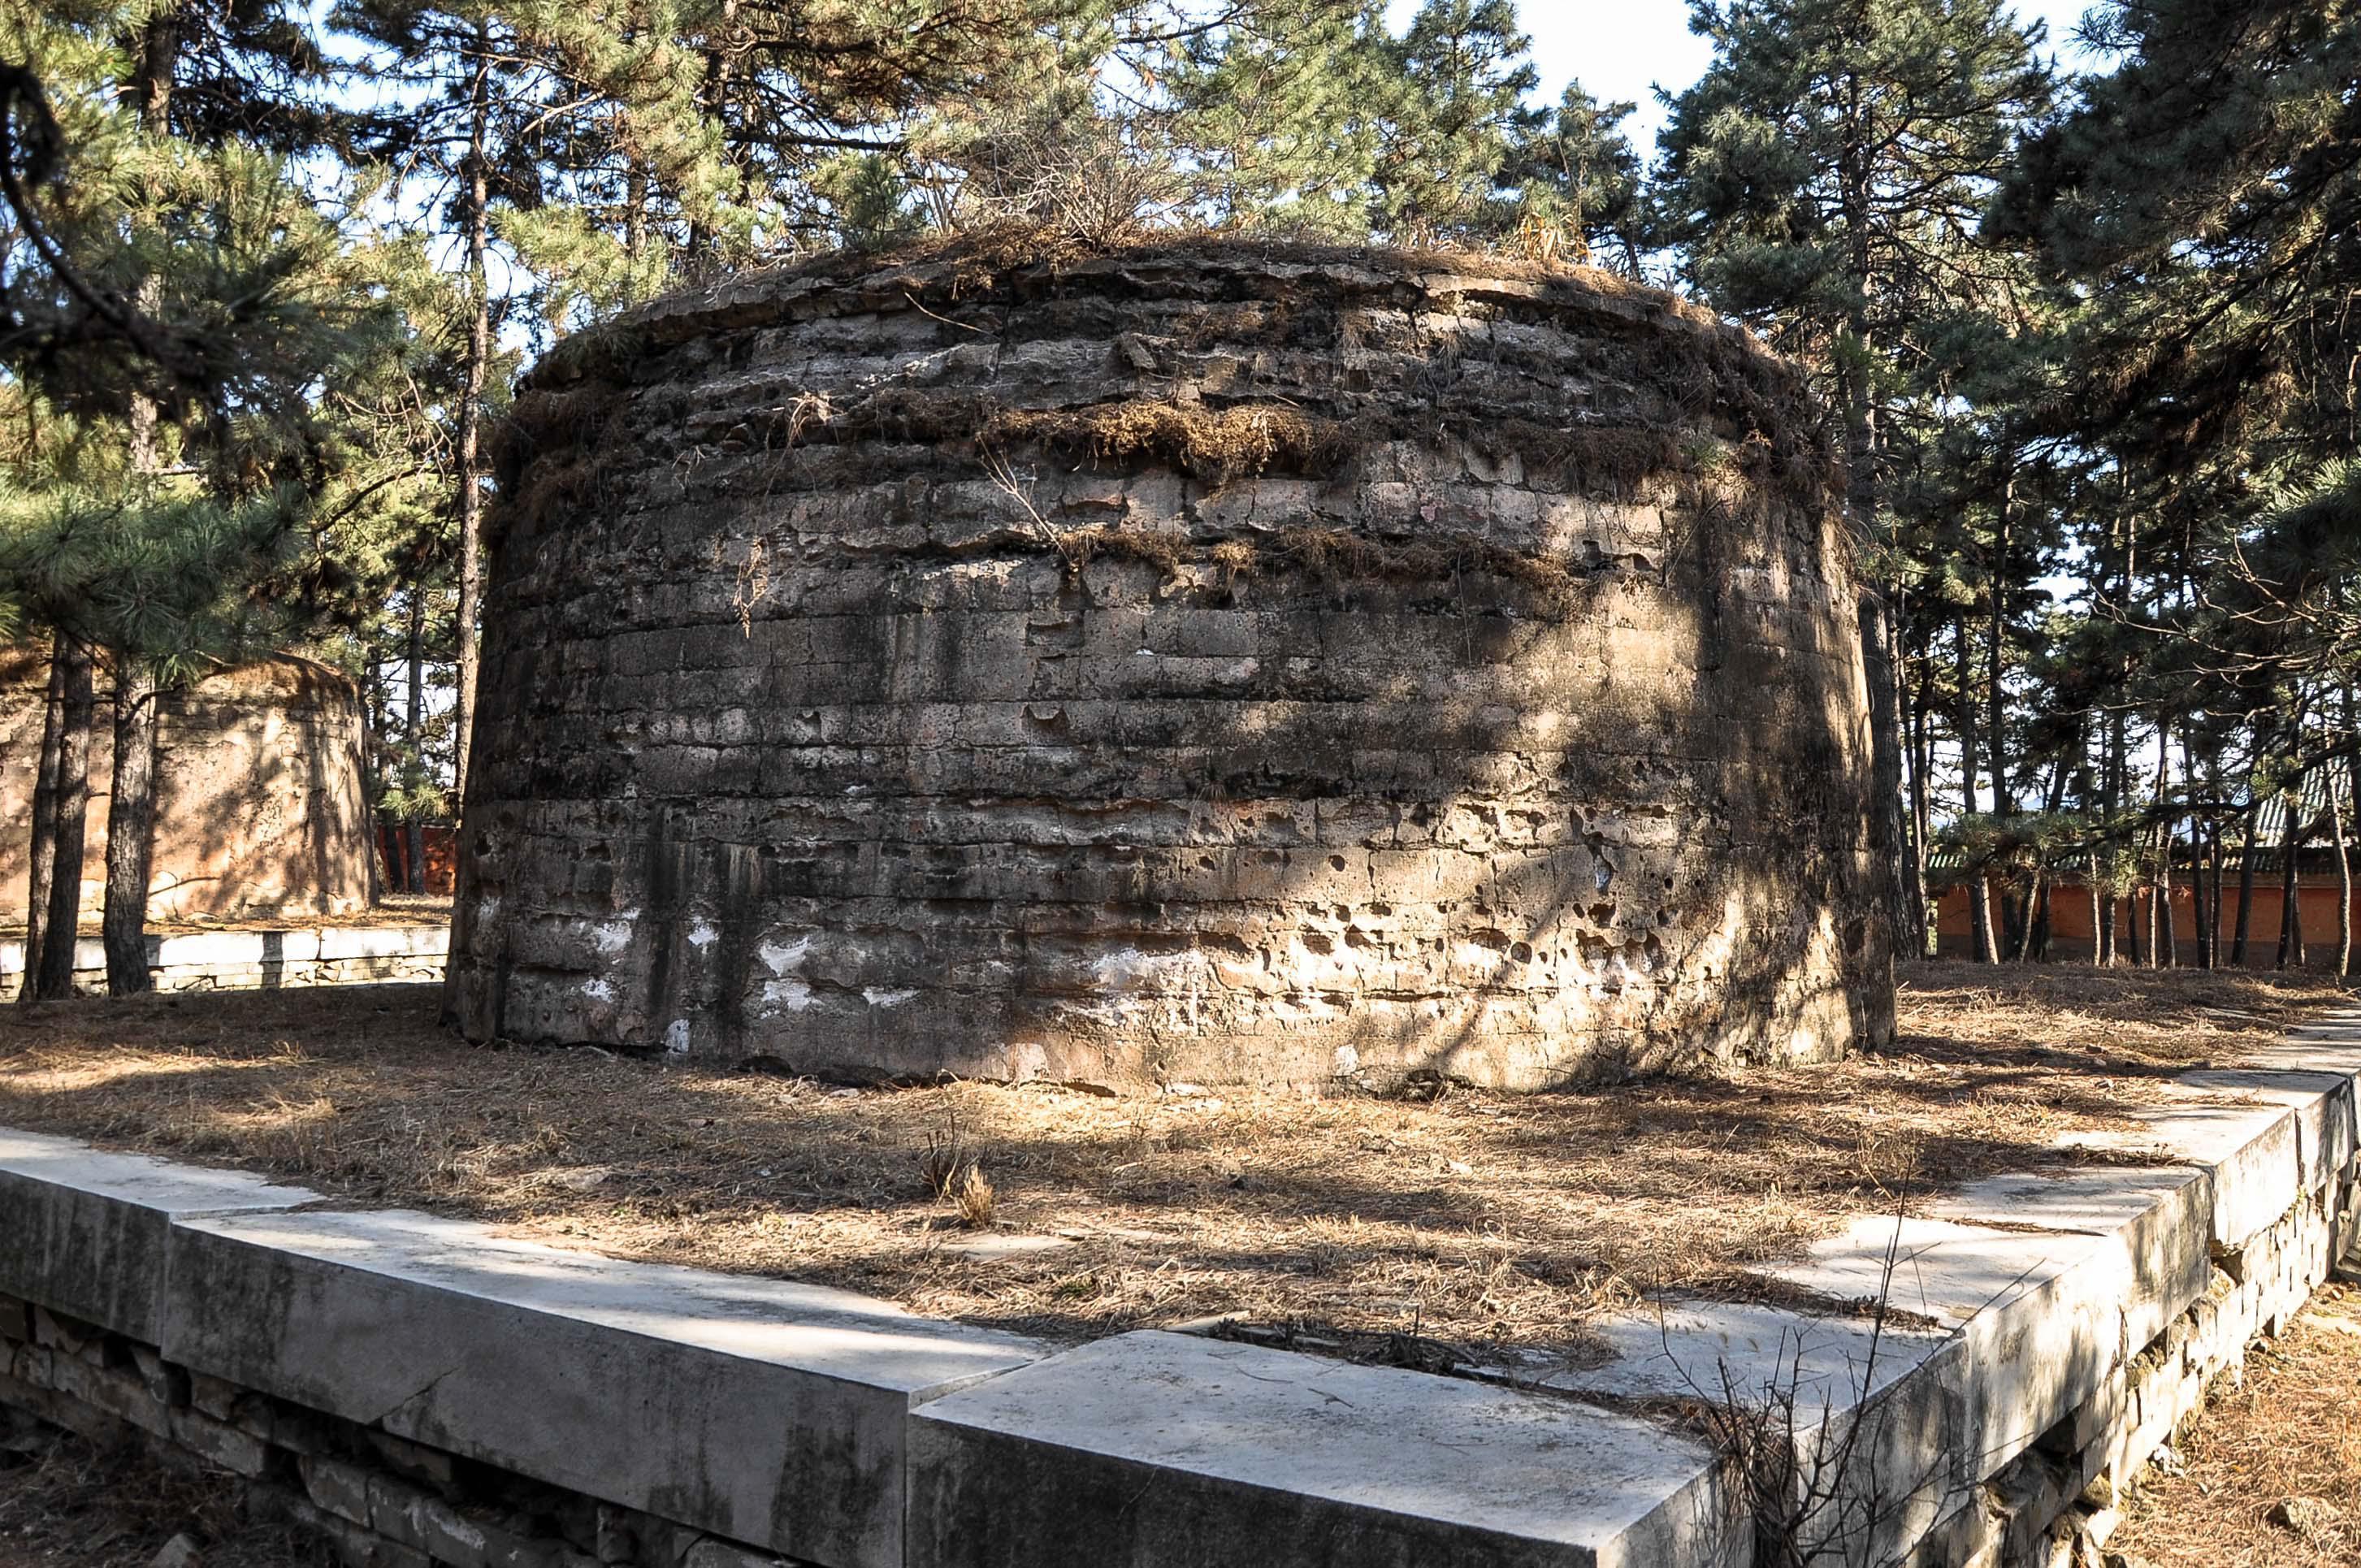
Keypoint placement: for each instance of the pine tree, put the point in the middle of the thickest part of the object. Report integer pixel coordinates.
(1826, 176)
(1456, 117)
(1579, 171)
(210, 289)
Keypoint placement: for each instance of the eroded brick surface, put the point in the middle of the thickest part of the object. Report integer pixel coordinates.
(1222, 664)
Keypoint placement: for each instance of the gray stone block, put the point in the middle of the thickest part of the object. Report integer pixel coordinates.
(768, 1412)
(86, 1230)
(2321, 1103)
(1155, 1449)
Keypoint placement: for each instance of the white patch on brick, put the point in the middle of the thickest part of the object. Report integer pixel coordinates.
(702, 933)
(598, 989)
(614, 936)
(676, 1037)
(785, 995)
(888, 998)
(1347, 1062)
(1129, 968)
(779, 958)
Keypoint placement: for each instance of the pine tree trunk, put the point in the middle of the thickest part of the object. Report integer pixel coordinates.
(2135, 922)
(2204, 897)
(2033, 897)
(41, 852)
(410, 834)
(41, 848)
(1996, 721)
(2246, 883)
(1906, 917)
(1921, 819)
(2344, 879)
(2160, 902)
(2290, 903)
(155, 67)
(2213, 895)
(1910, 932)
(372, 756)
(1980, 918)
(2102, 922)
(130, 830)
(61, 923)
(477, 177)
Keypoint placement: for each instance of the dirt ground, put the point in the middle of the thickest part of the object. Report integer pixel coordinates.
(70, 1504)
(1476, 1219)
(2272, 1471)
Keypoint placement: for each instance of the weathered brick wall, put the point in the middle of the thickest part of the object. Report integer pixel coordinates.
(1214, 662)
(260, 803)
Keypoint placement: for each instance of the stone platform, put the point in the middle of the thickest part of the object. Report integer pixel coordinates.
(1979, 1383)
(264, 959)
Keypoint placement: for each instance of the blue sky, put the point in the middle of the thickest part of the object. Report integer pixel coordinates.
(1622, 49)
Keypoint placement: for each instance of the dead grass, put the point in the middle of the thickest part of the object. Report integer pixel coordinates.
(2291, 1437)
(1474, 1218)
(72, 1504)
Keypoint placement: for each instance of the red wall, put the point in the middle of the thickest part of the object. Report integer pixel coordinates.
(2069, 920)
(441, 858)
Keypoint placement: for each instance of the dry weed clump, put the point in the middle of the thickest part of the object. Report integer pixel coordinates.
(1217, 445)
(1470, 1218)
(2271, 1472)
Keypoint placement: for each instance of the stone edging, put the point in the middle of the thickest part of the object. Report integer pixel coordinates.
(2061, 1327)
(252, 960)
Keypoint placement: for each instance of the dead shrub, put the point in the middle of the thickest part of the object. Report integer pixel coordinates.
(1219, 446)
(552, 450)
(976, 1201)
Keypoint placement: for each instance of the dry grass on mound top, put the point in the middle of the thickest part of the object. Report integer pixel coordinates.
(1479, 1218)
(2273, 1469)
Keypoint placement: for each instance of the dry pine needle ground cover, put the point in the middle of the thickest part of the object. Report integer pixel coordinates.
(66, 1503)
(1474, 1219)
(2272, 1475)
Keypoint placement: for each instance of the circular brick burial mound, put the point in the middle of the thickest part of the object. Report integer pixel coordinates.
(261, 811)
(1195, 662)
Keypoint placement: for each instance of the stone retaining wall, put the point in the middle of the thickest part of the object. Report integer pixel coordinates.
(381, 1501)
(428, 1391)
(263, 960)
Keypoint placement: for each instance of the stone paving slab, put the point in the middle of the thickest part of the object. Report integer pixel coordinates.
(1706, 1349)
(1158, 1449)
(85, 1233)
(766, 1412)
(2320, 1104)
(2251, 1151)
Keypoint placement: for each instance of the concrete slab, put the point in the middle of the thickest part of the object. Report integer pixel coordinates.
(85, 1231)
(769, 1413)
(2321, 1103)
(2251, 1151)
(1934, 1268)
(2094, 1200)
(2160, 1215)
(1708, 1349)
(1159, 1449)
(2041, 1315)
